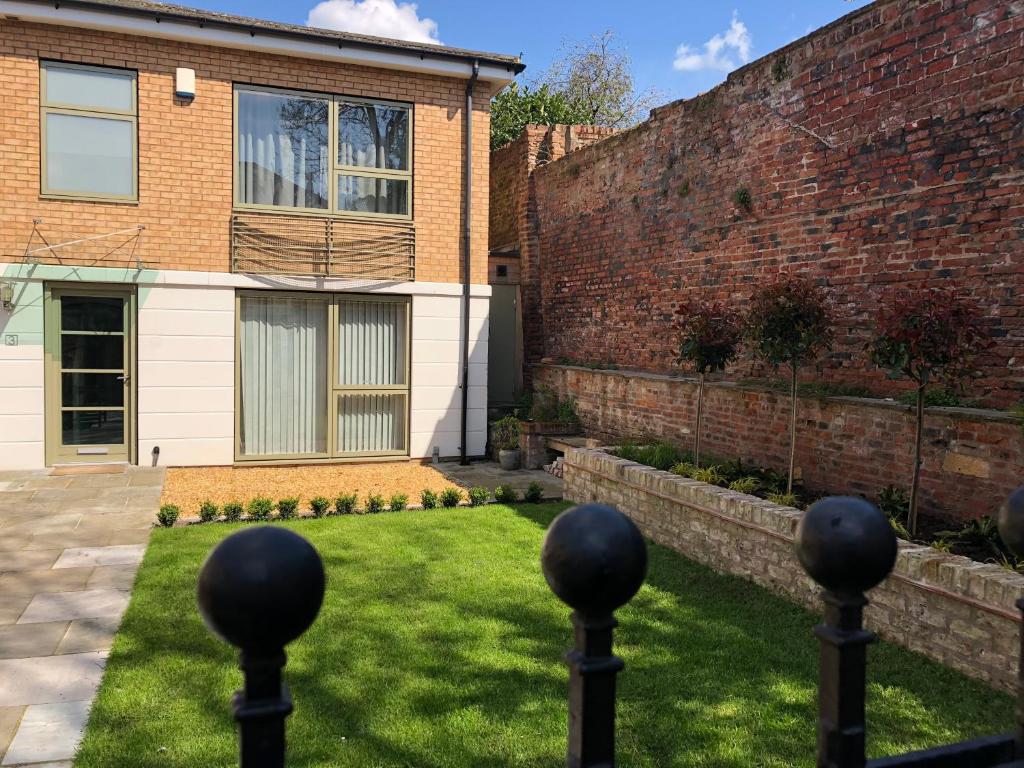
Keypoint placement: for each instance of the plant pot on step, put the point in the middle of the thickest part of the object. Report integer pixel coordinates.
(510, 459)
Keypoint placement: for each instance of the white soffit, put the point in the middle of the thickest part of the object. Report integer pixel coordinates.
(264, 41)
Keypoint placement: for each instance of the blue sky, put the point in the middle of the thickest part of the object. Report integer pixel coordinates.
(717, 37)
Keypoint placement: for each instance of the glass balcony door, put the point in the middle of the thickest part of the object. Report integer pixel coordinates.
(90, 360)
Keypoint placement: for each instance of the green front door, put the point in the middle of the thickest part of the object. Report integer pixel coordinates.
(90, 361)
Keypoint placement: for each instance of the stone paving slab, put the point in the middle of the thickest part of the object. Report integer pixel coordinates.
(112, 576)
(35, 582)
(50, 679)
(64, 606)
(19, 641)
(490, 475)
(49, 732)
(12, 606)
(93, 634)
(28, 559)
(81, 557)
(10, 718)
(90, 538)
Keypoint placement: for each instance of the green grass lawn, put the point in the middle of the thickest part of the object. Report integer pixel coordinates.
(440, 644)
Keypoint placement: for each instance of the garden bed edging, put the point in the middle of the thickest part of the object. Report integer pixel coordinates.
(954, 610)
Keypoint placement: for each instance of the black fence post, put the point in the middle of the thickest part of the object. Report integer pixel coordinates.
(259, 589)
(594, 559)
(847, 546)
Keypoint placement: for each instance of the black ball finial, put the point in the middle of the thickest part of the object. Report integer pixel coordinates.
(846, 544)
(1011, 522)
(261, 588)
(594, 558)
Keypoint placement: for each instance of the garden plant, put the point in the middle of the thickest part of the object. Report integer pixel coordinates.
(928, 335)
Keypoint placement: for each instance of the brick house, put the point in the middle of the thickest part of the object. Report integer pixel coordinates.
(228, 240)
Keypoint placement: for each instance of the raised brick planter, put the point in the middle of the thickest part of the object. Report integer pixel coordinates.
(950, 608)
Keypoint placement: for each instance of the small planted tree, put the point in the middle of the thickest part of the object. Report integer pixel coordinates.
(929, 335)
(709, 338)
(788, 323)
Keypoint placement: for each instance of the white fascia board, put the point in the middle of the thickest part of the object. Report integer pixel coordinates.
(263, 41)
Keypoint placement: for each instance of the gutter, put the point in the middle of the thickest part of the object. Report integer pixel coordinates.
(167, 25)
(466, 260)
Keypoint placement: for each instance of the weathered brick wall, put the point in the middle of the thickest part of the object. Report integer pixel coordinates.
(972, 459)
(185, 149)
(958, 612)
(885, 149)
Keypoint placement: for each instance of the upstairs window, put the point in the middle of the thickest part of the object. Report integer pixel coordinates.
(88, 120)
(322, 153)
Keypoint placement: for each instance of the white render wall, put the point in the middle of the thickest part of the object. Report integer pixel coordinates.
(185, 372)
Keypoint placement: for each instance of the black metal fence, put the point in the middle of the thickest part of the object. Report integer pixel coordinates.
(262, 587)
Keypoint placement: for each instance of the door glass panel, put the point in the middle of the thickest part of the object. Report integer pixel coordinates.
(80, 351)
(371, 423)
(92, 389)
(371, 343)
(92, 427)
(92, 313)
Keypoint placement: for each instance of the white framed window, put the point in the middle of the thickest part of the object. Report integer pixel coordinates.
(89, 125)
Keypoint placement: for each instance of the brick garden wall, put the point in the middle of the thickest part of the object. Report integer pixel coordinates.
(185, 149)
(958, 612)
(885, 149)
(972, 459)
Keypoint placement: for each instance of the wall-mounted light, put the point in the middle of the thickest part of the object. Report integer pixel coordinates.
(7, 295)
(185, 83)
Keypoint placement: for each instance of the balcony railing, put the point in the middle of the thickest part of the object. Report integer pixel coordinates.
(321, 246)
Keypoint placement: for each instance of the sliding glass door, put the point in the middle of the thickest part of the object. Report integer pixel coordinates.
(321, 375)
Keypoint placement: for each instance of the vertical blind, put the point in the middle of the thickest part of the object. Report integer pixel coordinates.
(283, 375)
(372, 350)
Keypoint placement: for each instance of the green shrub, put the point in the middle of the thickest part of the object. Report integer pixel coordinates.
(934, 398)
(428, 499)
(505, 433)
(658, 454)
(547, 405)
(683, 469)
(478, 496)
(374, 503)
(208, 511)
(345, 504)
(167, 515)
(709, 475)
(259, 508)
(785, 499)
(534, 493)
(320, 506)
(505, 494)
(398, 502)
(286, 508)
(233, 511)
(748, 485)
(450, 497)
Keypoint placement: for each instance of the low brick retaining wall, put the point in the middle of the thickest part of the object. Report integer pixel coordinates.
(950, 608)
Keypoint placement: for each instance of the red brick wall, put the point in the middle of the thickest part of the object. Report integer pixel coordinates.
(886, 149)
(972, 459)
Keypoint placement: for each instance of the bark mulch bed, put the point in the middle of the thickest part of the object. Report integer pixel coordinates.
(188, 487)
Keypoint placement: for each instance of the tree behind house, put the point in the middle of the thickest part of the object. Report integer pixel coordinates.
(928, 335)
(788, 323)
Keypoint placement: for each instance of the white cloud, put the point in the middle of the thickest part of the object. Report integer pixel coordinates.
(725, 51)
(383, 18)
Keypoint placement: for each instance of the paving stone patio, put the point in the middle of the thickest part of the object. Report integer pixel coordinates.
(490, 475)
(69, 549)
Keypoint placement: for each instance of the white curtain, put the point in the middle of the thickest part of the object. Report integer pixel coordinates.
(283, 375)
(372, 348)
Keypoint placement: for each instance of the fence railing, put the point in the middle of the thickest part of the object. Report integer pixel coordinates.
(322, 246)
(262, 587)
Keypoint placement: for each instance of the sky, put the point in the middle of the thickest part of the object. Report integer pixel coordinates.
(679, 48)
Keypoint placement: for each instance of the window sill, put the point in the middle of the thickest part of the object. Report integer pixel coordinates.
(89, 199)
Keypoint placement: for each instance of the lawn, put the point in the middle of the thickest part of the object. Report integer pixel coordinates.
(439, 644)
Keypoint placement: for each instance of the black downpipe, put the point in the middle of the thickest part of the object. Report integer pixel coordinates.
(466, 249)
